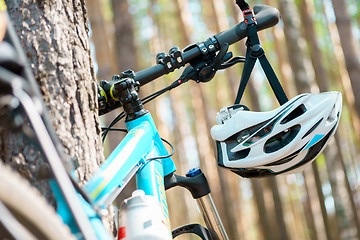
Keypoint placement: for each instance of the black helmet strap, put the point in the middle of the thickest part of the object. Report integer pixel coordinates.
(254, 51)
(242, 5)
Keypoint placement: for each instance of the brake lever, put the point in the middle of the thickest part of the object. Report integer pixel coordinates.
(205, 71)
(231, 62)
(219, 58)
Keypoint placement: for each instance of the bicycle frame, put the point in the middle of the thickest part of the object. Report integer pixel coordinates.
(129, 157)
(141, 152)
(141, 142)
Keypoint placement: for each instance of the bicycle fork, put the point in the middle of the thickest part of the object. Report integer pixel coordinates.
(196, 182)
(211, 217)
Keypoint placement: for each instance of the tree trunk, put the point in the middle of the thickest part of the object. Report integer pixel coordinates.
(102, 40)
(54, 35)
(351, 54)
(295, 55)
(309, 213)
(315, 53)
(279, 212)
(124, 36)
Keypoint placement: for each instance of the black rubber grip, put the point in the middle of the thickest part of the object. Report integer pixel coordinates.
(265, 16)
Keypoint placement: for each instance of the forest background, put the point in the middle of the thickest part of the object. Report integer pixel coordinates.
(314, 48)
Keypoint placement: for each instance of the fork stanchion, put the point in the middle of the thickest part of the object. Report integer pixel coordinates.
(211, 217)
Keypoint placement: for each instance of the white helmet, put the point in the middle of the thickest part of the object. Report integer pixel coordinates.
(285, 140)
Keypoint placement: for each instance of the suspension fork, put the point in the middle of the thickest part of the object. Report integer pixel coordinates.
(197, 184)
(211, 216)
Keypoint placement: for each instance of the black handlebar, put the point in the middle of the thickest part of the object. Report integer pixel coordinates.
(194, 54)
(266, 17)
(147, 75)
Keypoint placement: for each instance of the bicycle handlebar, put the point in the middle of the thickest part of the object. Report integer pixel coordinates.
(266, 17)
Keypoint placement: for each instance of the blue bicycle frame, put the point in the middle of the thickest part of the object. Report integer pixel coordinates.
(129, 157)
(141, 152)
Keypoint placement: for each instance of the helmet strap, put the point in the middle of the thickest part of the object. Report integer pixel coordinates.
(255, 51)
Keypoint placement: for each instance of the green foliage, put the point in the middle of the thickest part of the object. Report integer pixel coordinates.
(107, 10)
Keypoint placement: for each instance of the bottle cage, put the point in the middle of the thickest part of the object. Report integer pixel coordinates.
(255, 51)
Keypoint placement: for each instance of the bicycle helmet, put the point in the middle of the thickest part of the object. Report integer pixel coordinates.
(284, 140)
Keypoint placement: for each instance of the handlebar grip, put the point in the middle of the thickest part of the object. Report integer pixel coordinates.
(266, 17)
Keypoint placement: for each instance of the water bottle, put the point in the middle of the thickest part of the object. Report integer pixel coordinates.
(141, 218)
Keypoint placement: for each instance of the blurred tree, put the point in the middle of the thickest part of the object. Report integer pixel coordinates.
(202, 124)
(106, 63)
(124, 36)
(223, 90)
(351, 52)
(102, 40)
(296, 58)
(283, 65)
(322, 81)
(179, 200)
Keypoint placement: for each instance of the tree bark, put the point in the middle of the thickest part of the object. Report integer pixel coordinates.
(54, 35)
(315, 53)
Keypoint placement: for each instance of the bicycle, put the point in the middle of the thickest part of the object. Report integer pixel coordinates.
(141, 153)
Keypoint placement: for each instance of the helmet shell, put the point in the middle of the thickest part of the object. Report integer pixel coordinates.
(283, 140)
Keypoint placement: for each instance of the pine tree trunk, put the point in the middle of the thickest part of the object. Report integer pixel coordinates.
(102, 40)
(124, 36)
(295, 54)
(315, 53)
(182, 207)
(54, 35)
(351, 54)
(106, 63)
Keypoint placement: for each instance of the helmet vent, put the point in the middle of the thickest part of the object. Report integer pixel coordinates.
(234, 156)
(294, 114)
(261, 133)
(244, 134)
(332, 116)
(281, 139)
(312, 128)
(285, 159)
(282, 161)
